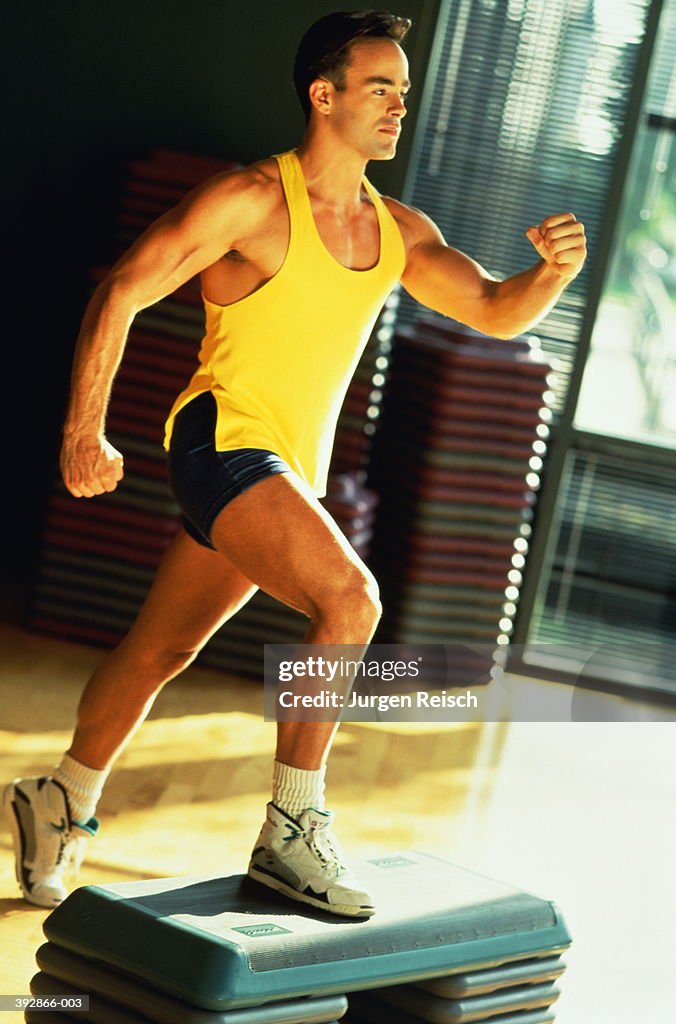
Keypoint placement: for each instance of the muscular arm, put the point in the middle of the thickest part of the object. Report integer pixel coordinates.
(179, 245)
(453, 284)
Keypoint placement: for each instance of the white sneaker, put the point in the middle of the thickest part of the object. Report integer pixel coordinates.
(48, 843)
(302, 859)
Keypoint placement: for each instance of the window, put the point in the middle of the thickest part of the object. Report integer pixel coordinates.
(608, 593)
(524, 108)
(629, 385)
(530, 109)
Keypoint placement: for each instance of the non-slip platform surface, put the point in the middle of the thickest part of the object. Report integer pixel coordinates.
(223, 943)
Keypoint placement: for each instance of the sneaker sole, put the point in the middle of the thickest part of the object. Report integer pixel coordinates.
(342, 909)
(8, 802)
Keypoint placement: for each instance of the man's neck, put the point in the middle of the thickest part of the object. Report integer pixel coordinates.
(332, 172)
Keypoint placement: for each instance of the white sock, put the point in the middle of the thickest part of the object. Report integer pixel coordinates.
(83, 786)
(296, 789)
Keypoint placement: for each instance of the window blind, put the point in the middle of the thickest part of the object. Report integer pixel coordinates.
(611, 588)
(525, 104)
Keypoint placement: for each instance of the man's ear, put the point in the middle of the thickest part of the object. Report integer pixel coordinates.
(321, 95)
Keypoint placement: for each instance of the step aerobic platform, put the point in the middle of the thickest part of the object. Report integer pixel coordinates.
(117, 999)
(390, 1015)
(227, 943)
(378, 1006)
(520, 993)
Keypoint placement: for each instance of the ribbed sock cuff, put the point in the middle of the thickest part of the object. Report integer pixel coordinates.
(82, 784)
(296, 789)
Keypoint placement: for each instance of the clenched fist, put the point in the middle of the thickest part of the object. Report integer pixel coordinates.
(90, 465)
(560, 241)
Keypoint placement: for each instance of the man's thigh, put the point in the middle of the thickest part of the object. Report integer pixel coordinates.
(194, 591)
(281, 538)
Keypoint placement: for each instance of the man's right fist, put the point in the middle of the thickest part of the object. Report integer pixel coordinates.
(90, 465)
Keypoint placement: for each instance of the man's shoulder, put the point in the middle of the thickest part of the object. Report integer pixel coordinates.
(413, 224)
(237, 203)
(258, 182)
(262, 174)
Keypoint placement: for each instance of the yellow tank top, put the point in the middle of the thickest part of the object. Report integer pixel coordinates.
(278, 362)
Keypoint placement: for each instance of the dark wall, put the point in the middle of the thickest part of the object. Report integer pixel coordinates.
(91, 85)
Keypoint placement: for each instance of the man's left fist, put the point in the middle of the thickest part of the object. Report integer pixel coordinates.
(560, 241)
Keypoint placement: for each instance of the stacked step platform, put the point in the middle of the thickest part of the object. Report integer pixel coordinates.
(456, 465)
(98, 556)
(446, 945)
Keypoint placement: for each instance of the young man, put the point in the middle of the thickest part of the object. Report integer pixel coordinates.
(297, 254)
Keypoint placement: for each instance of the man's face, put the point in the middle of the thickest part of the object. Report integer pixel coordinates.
(367, 113)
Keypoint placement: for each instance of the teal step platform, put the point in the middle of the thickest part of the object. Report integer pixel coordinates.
(116, 997)
(227, 943)
(518, 993)
(436, 1010)
(47, 1017)
(374, 1015)
(458, 986)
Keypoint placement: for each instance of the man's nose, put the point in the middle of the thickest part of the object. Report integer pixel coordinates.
(398, 107)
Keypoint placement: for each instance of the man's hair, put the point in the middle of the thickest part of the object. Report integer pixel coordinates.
(324, 50)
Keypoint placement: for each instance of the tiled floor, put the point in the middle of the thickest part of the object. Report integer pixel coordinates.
(582, 813)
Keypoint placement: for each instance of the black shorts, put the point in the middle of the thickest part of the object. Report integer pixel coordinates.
(203, 480)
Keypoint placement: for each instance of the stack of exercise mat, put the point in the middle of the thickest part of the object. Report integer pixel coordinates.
(456, 466)
(98, 556)
(446, 946)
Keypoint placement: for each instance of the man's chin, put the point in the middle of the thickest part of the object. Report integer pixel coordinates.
(386, 152)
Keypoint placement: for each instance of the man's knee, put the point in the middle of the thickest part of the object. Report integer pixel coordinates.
(161, 658)
(354, 596)
(371, 598)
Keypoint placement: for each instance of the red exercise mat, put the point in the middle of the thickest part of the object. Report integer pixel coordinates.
(173, 167)
(67, 629)
(475, 546)
(125, 549)
(474, 354)
(455, 361)
(422, 387)
(438, 415)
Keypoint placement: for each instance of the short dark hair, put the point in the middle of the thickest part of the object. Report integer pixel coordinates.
(324, 50)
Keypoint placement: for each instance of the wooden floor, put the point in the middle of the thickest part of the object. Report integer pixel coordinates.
(583, 813)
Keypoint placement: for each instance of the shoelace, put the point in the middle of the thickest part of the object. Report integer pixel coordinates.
(320, 840)
(68, 846)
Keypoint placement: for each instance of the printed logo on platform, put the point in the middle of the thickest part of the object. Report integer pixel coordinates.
(392, 862)
(256, 930)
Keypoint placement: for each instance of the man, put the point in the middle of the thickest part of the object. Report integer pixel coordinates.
(297, 254)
